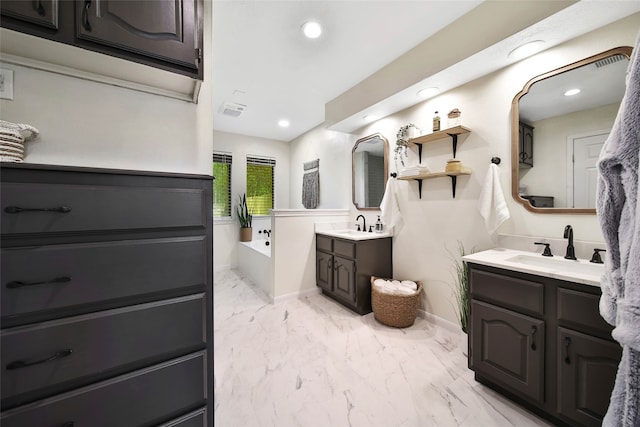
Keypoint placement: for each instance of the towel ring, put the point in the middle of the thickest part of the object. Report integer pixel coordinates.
(496, 160)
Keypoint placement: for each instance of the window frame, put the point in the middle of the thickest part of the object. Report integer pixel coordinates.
(224, 158)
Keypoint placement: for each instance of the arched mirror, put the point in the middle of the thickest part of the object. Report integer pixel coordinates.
(369, 171)
(559, 123)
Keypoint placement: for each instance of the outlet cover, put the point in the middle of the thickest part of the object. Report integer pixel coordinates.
(6, 84)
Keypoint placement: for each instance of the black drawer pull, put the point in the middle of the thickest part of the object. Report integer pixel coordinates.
(25, 363)
(534, 330)
(17, 209)
(567, 343)
(39, 8)
(18, 284)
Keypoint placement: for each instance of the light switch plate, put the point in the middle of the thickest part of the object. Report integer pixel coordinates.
(6, 83)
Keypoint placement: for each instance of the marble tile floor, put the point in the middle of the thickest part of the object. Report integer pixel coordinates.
(312, 362)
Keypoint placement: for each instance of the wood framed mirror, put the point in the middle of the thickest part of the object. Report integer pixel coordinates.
(369, 171)
(556, 137)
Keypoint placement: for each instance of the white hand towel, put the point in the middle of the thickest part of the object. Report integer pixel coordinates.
(390, 213)
(491, 204)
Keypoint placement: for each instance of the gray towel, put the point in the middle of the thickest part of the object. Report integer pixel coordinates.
(311, 184)
(616, 205)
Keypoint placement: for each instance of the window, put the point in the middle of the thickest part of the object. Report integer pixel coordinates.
(221, 185)
(260, 185)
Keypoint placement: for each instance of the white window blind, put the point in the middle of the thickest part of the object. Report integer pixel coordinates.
(260, 185)
(222, 185)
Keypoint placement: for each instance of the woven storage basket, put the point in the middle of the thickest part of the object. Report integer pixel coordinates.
(394, 310)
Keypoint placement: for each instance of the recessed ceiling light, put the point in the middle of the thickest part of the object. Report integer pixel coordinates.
(526, 49)
(369, 118)
(430, 91)
(283, 123)
(572, 92)
(312, 29)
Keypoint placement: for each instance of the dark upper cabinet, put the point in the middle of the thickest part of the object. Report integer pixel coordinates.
(39, 12)
(525, 132)
(166, 34)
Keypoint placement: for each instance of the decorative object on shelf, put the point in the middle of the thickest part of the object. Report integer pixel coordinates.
(453, 165)
(242, 211)
(454, 118)
(12, 140)
(395, 307)
(436, 122)
(405, 133)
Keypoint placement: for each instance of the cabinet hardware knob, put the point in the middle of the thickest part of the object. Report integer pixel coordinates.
(567, 343)
(39, 8)
(534, 330)
(18, 209)
(17, 364)
(18, 284)
(85, 15)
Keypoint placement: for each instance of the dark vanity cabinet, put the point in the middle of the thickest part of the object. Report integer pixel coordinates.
(106, 286)
(525, 135)
(344, 268)
(163, 34)
(543, 343)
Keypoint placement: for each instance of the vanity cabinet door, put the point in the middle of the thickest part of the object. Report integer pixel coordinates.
(526, 145)
(509, 348)
(587, 369)
(344, 278)
(324, 270)
(40, 12)
(166, 30)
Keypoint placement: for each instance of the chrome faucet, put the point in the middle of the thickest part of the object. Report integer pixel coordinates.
(364, 223)
(568, 234)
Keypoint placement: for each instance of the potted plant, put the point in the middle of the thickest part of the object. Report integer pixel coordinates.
(461, 278)
(242, 211)
(405, 133)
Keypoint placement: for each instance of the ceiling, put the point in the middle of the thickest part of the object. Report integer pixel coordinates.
(261, 59)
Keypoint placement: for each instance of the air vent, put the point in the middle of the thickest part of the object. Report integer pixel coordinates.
(232, 109)
(610, 60)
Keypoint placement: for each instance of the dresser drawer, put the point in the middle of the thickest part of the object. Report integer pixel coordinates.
(46, 278)
(344, 248)
(525, 295)
(194, 419)
(146, 397)
(581, 310)
(44, 358)
(98, 208)
(324, 243)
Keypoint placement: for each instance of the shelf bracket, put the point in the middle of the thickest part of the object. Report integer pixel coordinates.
(454, 138)
(454, 181)
(419, 187)
(420, 154)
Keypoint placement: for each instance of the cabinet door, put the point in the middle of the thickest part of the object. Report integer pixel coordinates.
(40, 12)
(508, 347)
(587, 369)
(324, 270)
(167, 29)
(526, 145)
(344, 278)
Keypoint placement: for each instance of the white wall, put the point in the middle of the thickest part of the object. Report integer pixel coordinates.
(226, 231)
(84, 123)
(424, 248)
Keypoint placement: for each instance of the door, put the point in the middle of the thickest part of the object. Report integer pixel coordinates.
(166, 29)
(587, 369)
(344, 278)
(324, 270)
(508, 347)
(582, 181)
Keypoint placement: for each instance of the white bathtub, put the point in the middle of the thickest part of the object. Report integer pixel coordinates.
(254, 261)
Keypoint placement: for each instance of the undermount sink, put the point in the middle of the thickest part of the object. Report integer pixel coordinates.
(559, 264)
(353, 234)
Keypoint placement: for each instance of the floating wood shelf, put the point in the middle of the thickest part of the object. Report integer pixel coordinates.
(439, 136)
(453, 175)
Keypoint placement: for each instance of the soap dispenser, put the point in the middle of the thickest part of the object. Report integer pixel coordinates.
(378, 225)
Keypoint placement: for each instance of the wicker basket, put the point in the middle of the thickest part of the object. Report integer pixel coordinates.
(394, 310)
(12, 139)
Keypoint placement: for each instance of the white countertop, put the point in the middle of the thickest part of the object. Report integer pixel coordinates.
(579, 271)
(344, 230)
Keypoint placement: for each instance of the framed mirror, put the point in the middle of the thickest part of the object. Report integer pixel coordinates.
(369, 171)
(559, 122)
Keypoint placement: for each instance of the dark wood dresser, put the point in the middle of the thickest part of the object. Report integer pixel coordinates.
(106, 286)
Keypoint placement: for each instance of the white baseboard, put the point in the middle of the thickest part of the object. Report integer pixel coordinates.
(293, 295)
(440, 321)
